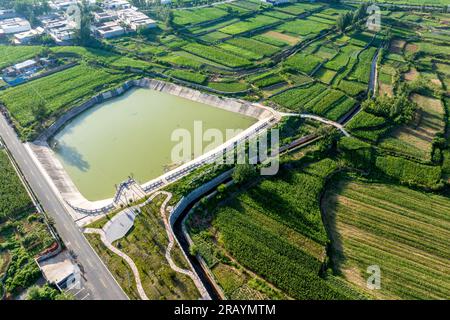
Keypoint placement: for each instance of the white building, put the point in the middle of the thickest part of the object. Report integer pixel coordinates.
(14, 25)
(276, 2)
(7, 14)
(135, 19)
(27, 36)
(105, 16)
(61, 5)
(59, 28)
(116, 4)
(109, 29)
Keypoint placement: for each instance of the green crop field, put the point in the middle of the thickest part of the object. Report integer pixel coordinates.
(217, 55)
(255, 46)
(296, 99)
(11, 54)
(196, 16)
(188, 76)
(50, 96)
(14, 199)
(404, 232)
(22, 233)
(299, 8)
(303, 27)
(303, 62)
(275, 230)
(249, 24)
(362, 71)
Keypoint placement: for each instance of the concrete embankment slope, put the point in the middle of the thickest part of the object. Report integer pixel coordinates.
(58, 177)
(229, 104)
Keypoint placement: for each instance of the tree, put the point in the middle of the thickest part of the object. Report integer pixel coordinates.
(243, 173)
(46, 293)
(39, 110)
(83, 34)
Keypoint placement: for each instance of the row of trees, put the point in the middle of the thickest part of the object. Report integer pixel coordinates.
(351, 17)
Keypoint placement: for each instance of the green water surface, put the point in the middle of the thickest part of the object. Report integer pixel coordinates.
(131, 135)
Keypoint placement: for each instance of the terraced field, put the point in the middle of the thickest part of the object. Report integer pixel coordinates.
(416, 139)
(10, 55)
(404, 232)
(274, 230)
(47, 97)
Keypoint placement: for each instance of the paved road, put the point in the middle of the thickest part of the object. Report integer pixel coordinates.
(318, 118)
(97, 280)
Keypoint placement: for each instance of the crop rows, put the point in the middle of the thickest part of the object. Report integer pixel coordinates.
(186, 17)
(296, 98)
(362, 71)
(254, 46)
(217, 55)
(188, 76)
(50, 95)
(409, 172)
(249, 24)
(259, 227)
(403, 231)
(303, 27)
(342, 108)
(325, 101)
(14, 54)
(14, 199)
(303, 63)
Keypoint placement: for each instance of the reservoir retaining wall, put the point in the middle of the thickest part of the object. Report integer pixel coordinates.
(53, 168)
(230, 104)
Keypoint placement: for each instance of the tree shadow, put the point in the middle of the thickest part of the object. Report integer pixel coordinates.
(72, 157)
(328, 208)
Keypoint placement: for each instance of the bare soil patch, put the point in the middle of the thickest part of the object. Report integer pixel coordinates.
(385, 89)
(397, 46)
(412, 47)
(411, 75)
(281, 36)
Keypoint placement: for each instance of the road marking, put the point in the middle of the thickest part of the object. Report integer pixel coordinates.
(103, 283)
(78, 291)
(87, 295)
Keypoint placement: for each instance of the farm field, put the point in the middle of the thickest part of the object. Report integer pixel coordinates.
(266, 239)
(196, 16)
(48, 97)
(11, 55)
(282, 241)
(416, 139)
(217, 55)
(23, 234)
(404, 232)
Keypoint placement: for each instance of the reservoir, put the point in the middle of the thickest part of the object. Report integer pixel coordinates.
(131, 136)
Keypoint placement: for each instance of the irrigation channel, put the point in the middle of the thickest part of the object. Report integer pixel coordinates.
(202, 273)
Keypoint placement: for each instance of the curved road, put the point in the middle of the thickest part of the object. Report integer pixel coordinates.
(96, 278)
